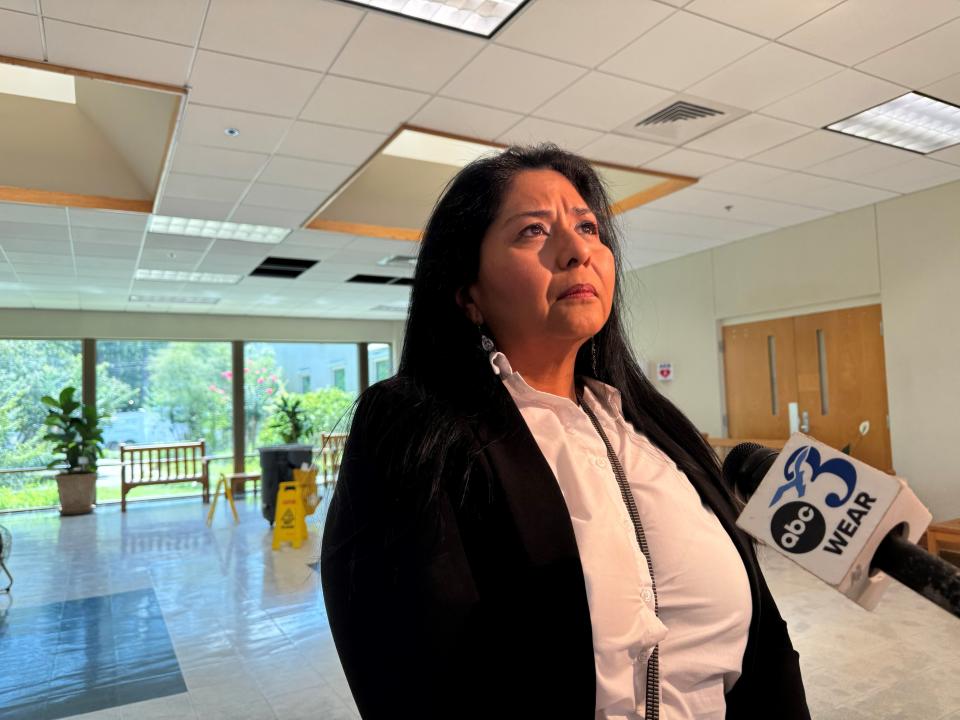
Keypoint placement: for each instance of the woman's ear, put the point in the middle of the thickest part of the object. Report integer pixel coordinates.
(469, 307)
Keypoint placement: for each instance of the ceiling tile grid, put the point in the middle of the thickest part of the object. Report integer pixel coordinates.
(314, 98)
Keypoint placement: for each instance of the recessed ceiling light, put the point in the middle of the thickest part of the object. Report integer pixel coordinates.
(174, 299)
(40, 84)
(232, 132)
(186, 276)
(912, 122)
(477, 17)
(217, 229)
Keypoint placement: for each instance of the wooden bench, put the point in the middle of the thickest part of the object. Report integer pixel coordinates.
(162, 464)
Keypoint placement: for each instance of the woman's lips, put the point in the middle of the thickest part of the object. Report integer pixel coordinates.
(579, 292)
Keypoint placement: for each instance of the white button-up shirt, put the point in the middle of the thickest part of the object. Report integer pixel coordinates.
(702, 585)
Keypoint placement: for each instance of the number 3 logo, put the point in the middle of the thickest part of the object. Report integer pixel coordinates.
(838, 467)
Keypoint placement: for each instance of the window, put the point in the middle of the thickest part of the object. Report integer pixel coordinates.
(163, 392)
(30, 369)
(284, 372)
(379, 362)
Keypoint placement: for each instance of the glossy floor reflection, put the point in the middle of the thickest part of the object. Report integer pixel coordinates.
(249, 632)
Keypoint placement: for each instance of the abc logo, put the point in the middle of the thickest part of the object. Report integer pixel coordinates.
(798, 527)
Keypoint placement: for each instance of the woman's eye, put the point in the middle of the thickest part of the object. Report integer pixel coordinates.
(540, 230)
(590, 227)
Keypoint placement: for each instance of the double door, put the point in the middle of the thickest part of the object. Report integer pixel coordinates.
(823, 373)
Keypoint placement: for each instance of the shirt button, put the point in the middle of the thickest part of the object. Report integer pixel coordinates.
(647, 594)
(599, 461)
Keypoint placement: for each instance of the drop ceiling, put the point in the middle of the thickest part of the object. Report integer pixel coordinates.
(316, 87)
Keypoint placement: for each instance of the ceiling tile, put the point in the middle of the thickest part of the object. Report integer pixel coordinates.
(820, 192)
(110, 52)
(381, 50)
(269, 216)
(950, 155)
(671, 242)
(531, 131)
(20, 35)
(332, 144)
(764, 76)
(855, 30)
(736, 207)
(931, 57)
(326, 176)
(104, 235)
(200, 160)
(24, 6)
(232, 82)
(602, 101)
(708, 46)
(22, 213)
(947, 89)
(203, 209)
(106, 219)
(616, 21)
(533, 79)
(199, 187)
(461, 118)
(834, 98)
(722, 229)
(739, 177)
(816, 147)
(918, 173)
(283, 197)
(317, 238)
(747, 136)
(770, 18)
(108, 250)
(302, 33)
(621, 150)
(175, 21)
(206, 125)
(165, 242)
(225, 250)
(28, 231)
(687, 162)
(362, 105)
(855, 165)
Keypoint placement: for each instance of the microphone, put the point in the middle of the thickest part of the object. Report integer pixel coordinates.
(852, 526)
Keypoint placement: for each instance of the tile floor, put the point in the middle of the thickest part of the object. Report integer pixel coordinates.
(243, 631)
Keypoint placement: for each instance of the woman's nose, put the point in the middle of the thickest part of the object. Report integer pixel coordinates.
(574, 250)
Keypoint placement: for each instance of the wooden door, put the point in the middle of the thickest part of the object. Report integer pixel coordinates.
(831, 364)
(759, 364)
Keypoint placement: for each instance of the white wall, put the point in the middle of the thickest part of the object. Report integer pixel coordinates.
(904, 253)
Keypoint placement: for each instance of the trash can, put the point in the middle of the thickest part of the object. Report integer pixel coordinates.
(276, 466)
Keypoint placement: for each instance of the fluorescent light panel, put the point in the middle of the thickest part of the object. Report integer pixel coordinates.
(186, 276)
(39, 84)
(416, 145)
(164, 299)
(477, 17)
(912, 122)
(217, 229)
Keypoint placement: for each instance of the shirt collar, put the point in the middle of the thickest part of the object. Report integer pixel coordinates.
(501, 366)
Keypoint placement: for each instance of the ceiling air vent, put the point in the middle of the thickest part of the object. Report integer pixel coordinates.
(679, 119)
(399, 260)
(282, 267)
(678, 112)
(380, 280)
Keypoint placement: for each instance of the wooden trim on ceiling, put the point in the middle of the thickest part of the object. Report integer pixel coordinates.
(63, 69)
(377, 231)
(666, 187)
(175, 121)
(8, 193)
(671, 183)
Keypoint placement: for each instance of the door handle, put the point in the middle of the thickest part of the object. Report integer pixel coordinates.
(804, 422)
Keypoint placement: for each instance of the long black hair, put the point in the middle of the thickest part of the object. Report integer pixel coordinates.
(444, 372)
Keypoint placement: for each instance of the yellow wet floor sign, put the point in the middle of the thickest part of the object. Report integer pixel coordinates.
(289, 522)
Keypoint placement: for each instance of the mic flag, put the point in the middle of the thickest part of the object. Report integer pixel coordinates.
(828, 512)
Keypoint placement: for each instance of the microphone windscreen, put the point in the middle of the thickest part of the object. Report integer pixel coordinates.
(745, 466)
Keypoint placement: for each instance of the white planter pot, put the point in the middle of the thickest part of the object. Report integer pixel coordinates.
(77, 492)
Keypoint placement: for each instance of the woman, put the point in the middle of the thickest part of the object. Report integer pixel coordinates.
(523, 526)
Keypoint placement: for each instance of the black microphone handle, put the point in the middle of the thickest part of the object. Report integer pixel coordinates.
(909, 564)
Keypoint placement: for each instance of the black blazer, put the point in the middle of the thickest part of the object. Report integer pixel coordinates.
(474, 605)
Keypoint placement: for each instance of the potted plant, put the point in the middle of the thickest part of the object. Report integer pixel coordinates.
(290, 420)
(78, 440)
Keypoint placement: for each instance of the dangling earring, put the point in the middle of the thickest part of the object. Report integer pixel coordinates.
(593, 356)
(485, 342)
